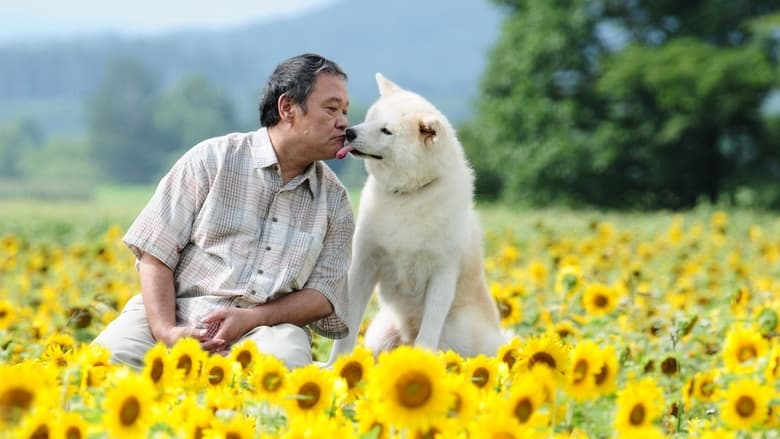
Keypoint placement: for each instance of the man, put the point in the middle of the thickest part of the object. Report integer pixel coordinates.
(249, 235)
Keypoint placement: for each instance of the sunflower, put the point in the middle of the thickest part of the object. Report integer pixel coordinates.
(218, 371)
(369, 423)
(354, 369)
(638, 405)
(245, 353)
(742, 347)
(545, 350)
(129, 407)
(482, 372)
(605, 378)
(196, 419)
(497, 426)
(704, 385)
(465, 400)
(238, 427)
(408, 387)
(320, 427)
(38, 424)
(308, 391)
(538, 273)
(453, 362)
(158, 366)
(566, 330)
(585, 364)
(599, 299)
(7, 314)
(746, 404)
(269, 375)
(70, 425)
(526, 398)
(508, 308)
(187, 356)
(24, 387)
(569, 279)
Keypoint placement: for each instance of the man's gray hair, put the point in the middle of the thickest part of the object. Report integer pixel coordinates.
(295, 78)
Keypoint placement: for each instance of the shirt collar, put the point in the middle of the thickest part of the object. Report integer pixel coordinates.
(264, 156)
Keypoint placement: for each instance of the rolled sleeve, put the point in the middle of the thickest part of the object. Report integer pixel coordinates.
(163, 227)
(329, 276)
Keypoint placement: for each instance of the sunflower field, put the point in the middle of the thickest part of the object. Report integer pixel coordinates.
(618, 325)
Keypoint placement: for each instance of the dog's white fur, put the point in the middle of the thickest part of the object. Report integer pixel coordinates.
(417, 235)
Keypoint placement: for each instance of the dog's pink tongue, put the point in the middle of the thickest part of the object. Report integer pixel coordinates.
(340, 154)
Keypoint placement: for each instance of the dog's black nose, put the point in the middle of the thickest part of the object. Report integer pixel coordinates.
(351, 134)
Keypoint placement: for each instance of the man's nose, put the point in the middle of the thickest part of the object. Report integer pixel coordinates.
(351, 134)
(342, 122)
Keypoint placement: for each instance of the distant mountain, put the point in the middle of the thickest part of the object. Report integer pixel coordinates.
(438, 48)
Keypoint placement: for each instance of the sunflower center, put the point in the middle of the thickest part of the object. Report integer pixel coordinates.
(185, 362)
(457, 404)
(509, 358)
(602, 375)
(523, 410)
(502, 435)
(16, 398)
(637, 415)
(352, 372)
(157, 370)
(670, 366)
(580, 371)
(233, 435)
(216, 375)
(707, 388)
(504, 309)
(413, 389)
(42, 432)
(542, 357)
(73, 433)
(310, 395)
(3, 313)
(600, 301)
(272, 382)
(745, 406)
(244, 358)
(746, 353)
(480, 377)
(129, 411)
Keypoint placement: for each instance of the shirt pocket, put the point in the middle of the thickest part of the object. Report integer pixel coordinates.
(309, 247)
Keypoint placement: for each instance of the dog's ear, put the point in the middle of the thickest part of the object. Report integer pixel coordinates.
(429, 129)
(386, 86)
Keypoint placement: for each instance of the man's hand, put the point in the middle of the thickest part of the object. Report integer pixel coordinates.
(172, 334)
(233, 323)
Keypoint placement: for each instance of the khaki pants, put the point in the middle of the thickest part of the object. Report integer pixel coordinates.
(129, 337)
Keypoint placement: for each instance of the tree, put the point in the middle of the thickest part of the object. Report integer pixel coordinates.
(626, 103)
(16, 140)
(192, 111)
(123, 139)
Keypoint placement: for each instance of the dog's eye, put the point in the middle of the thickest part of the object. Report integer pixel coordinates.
(386, 131)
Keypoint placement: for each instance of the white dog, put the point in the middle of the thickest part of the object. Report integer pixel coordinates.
(417, 235)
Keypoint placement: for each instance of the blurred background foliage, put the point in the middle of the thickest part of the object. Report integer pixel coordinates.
(631, 104)
(627, 104)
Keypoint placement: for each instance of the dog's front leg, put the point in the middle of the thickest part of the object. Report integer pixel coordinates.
(362, 279)
(438, 300)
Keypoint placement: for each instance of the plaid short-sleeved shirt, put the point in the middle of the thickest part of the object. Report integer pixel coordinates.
(234, 234)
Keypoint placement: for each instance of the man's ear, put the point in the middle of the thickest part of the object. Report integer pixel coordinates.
(286, 108)
(429, 129)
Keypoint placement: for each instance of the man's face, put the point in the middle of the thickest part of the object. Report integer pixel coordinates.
(322, 126)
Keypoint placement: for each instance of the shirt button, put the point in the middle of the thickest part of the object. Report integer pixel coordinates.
(274, 219)
(268, 247)
(259, 271)
(253, 292)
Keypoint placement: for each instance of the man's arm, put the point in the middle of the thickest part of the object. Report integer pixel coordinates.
(159, 295)
(299, 308)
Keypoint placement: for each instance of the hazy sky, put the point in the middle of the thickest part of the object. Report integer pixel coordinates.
(37, 19)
